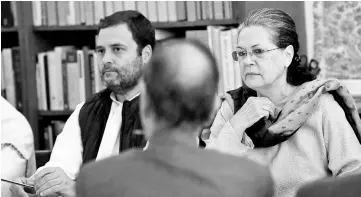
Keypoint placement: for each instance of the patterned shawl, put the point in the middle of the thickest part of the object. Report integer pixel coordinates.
(297, 110)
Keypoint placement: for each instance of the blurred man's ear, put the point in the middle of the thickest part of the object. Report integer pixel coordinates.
(143, 97)
(147, 53)
(205, 133)
(216, 105)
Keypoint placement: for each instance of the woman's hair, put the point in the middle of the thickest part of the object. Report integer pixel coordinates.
(283, 33)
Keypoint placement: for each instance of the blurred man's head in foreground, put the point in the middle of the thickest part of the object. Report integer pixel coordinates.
(179, 86)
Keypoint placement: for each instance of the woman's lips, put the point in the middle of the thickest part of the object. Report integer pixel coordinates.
(251, 74)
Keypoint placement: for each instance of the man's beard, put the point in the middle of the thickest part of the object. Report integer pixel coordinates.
(126, 79)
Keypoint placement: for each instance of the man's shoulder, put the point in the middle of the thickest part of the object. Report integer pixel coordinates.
(237, 173)
(228, 159)
(118, 162)
(98, 178)
(238, 163)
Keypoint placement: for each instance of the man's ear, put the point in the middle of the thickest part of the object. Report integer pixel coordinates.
(147, 53)
(216, 105)
(289, 53)
(144, 100)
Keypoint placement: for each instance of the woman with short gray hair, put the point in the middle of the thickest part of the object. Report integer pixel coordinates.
(303, 128)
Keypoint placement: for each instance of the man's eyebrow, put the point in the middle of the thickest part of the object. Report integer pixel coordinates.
(112, 45)
(118, 45)
(99, 47)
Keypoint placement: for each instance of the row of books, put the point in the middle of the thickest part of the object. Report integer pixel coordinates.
(61, 77)
(221, 41)
(61, 72)
(61, 13)
(11, 76)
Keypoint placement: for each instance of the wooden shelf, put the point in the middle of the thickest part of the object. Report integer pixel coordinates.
(64, 28)
(45, 114)
(193, 24)
(9, 29)
(157, 25)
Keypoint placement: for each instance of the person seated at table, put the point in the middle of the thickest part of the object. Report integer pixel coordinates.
(17, 146)
(303, 128)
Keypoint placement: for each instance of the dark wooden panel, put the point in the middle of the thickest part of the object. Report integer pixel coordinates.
(54, 113)
(47, 40)
(42, 157)
(28, 64)
(9, 39)
(9, 30)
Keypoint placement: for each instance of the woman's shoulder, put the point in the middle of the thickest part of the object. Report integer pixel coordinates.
(328, 103)
(329, 108)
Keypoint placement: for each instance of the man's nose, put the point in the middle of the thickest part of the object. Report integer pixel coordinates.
(107, 58)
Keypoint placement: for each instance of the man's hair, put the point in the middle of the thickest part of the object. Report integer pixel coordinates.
(174, 99)
(141, 28)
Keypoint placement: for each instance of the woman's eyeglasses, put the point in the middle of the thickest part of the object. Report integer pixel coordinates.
(243, 54)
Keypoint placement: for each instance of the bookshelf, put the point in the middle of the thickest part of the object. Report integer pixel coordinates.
(54, 113)
(35, 39)
(9, 30)
(189, 25)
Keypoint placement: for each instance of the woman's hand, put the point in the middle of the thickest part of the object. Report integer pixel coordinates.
(253, 110)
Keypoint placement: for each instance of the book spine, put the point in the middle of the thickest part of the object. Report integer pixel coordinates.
(172, 11)
(51, 7)
(14, 11)
(227, 9)
(82, 80)
(44, 13)
(118, 6)
(98, 11)
(65, 79)
(129, 5)
(71, 15)
(181, 10)
(142, 8)
(89, 12)
(152, 11)
(163, 14)
(205, 14)
(198, 10)
(210, 9)
(73, 78)
(109, 8)
(36, 6)
(18, 78)
(47, 80)
(191, 11)
(82, 12)
(218, 10)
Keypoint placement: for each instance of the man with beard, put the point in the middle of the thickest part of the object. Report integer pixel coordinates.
(107, 123)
